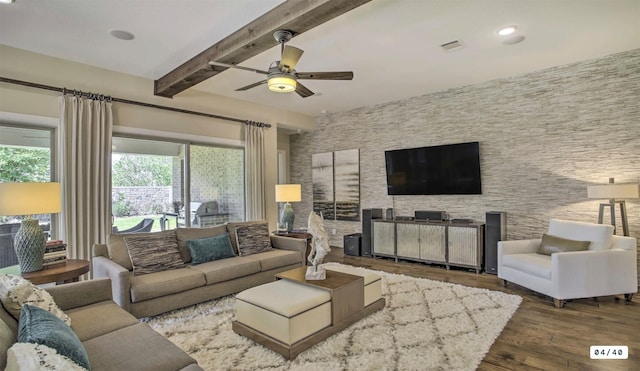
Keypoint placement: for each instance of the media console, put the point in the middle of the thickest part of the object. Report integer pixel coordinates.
(449, 243)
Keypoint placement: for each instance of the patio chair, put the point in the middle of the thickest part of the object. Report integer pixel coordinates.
(7, 253)
(144, 226)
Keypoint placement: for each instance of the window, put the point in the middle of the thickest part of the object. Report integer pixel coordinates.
(216, 185)
(25, 156)
(148, 178)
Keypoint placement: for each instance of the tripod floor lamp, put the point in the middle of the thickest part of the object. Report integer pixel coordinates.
(614, 192)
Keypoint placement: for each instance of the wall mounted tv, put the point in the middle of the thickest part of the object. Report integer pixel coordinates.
(452, 169)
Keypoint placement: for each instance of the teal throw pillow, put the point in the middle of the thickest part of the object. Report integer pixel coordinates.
(211, 248)
(39, 326)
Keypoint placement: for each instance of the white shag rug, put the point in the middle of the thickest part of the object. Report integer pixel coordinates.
(425, 325)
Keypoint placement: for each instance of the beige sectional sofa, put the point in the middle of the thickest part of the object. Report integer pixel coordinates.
(113, 338)
(155, 293)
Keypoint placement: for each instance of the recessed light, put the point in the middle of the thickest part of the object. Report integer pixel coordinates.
(6, 1)
(507, 30)
(122, 35)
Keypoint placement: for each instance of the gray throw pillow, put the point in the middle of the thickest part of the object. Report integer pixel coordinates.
(253, 238)
(208, 249)
(153, 253)
(553, 244)
(39, 326)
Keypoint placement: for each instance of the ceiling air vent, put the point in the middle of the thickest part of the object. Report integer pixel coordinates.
(451, 45)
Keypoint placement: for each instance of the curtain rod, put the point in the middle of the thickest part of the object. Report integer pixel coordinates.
(132, 102)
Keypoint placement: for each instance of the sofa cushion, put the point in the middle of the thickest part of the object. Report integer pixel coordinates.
(153, 285)
(253, 238)
(209, 249)
(275, 258)
(27, 356)
(227, 269)
(16, 291)
(553, 244)
(535, 264)
(7, 338)
(111, 316)
(136, 347)
(600, 235)
(231, 229)
(186, 234)
(40, 326)
(153, 253)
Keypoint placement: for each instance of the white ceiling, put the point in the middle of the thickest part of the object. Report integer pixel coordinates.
(393, 47)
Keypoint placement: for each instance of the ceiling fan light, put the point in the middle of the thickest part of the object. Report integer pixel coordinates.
(282, 84)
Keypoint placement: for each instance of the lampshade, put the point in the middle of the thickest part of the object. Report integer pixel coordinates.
(29, 198)
(614, 191)
(288, 193)
(282, 84)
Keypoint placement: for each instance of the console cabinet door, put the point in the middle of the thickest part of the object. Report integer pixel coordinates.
(433, 242)
(408, 241)
(383, 238)
(463, 245)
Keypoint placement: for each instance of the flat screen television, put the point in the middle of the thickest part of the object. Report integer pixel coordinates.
(452, 169)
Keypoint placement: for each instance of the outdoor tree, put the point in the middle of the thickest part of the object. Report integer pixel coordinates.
(18, 164)
(142, 171)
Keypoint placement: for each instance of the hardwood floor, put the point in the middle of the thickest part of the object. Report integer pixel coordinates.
(538, 336)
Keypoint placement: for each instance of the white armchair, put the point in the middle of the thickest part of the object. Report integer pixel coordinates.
(608, 267)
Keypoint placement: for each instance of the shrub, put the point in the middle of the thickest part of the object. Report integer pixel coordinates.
(157, 209)
(121, 206)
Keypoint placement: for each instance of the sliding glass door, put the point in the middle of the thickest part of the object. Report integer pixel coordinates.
(149, 178)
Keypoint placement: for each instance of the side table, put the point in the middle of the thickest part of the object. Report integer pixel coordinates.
(59, 273)
(302, 236)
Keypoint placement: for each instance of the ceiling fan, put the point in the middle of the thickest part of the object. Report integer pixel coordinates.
(282, 76)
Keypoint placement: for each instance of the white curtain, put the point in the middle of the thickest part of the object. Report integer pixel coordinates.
(85, 173)
(254, 171)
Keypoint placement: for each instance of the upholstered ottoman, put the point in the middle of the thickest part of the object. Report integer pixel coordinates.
(372, 282)
(284, 310)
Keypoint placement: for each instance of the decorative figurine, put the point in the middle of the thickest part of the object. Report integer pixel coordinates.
(319, 247)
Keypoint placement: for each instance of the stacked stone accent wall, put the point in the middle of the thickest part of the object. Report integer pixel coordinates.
(544, 137)
(145, 200)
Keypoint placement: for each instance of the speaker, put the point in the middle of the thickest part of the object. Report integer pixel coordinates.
(495, 230)
(352, 244)
(366, 249)
(430, 215)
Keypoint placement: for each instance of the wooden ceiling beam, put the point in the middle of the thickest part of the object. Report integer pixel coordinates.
(256, 37)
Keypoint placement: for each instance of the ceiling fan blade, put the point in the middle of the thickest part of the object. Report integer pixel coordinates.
(290, 57)
(252, 85)
(220, 64)
(336, 75)
(303, 91)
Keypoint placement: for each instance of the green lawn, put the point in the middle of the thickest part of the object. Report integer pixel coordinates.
(126, 222)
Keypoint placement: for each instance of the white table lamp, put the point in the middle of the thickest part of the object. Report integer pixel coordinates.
(288, 193)
(29, 199)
